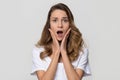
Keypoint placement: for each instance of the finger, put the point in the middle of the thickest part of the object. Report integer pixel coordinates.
(52, 34)
(53, 37)
(64, 41)
(67, 33)
(50, 31)
(66, 36)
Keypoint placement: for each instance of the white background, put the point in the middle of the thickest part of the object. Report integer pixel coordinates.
(21, 23)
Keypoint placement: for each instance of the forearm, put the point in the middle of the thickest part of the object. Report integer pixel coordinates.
(50, 73)
(69, 69)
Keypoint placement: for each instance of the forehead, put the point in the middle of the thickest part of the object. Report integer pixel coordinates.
(58, 13)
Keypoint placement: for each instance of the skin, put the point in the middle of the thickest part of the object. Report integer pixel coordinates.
(59, 21)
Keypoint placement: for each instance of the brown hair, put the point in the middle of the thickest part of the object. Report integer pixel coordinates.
(75, 41)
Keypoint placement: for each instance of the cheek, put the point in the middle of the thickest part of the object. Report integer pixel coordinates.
(52, 25)
(53, 28)
(67, 27)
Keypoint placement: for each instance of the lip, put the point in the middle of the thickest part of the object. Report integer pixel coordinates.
(60, 33)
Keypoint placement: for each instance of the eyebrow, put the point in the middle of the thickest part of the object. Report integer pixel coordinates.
(65, 17)
(62, 17)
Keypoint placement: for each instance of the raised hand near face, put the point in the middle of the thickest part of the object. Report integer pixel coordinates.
(64, 41)
(60, 47)
(55, 46)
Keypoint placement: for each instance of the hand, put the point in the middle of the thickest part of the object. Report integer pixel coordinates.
(64, 41)
(56, 47)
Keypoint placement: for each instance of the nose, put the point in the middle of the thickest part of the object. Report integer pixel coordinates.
(60, 25)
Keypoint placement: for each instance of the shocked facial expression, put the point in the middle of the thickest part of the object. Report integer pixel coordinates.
(59, 23)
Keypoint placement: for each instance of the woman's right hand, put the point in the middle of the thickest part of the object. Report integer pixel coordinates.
(55, 46)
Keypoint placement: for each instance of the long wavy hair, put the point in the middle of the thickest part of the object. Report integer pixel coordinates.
(74, 42)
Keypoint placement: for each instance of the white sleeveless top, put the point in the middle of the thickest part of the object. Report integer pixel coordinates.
(39, 64)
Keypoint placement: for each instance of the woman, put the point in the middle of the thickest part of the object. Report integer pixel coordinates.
(60, 53)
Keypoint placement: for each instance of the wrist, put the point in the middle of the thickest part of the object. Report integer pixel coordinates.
(63, 52)
(57, 52)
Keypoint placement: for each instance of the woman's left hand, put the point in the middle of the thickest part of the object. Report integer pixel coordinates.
(64, 41)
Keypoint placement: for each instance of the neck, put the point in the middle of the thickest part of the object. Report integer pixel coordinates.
(59, 42)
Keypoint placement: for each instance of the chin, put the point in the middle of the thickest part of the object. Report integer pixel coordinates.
(59, 39)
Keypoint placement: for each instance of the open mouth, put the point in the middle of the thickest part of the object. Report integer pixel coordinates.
(59, 32)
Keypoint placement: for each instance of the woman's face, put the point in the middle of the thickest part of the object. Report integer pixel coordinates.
(59, 23)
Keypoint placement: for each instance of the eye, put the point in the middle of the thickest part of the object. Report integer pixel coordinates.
(65, 20)
(54, 20)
